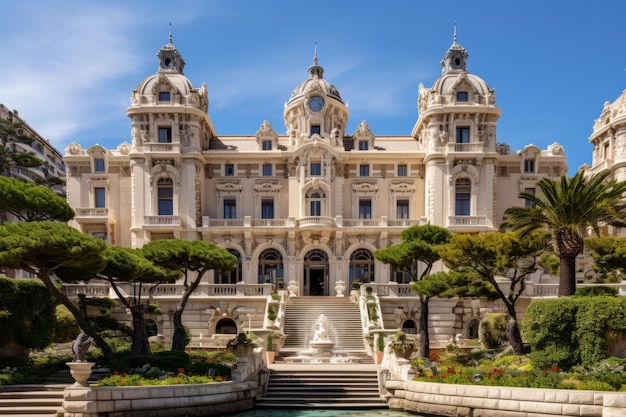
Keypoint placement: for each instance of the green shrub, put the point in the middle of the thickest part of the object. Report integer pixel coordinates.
(596, 290)
(492, 330)
(66, 328)
(26, 313)
(372, 311)
(170, 360)
(272, 311)
(380, 342)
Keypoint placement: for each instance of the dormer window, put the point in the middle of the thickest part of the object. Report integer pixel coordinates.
(98, 165)
(164, 96)
(461, 96)
(266, 145)
(529, 166)
(363, 145)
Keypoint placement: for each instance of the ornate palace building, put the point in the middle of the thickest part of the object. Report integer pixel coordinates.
(313, 204)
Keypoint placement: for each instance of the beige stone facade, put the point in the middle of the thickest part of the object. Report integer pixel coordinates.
(311, 205)
(306, 208)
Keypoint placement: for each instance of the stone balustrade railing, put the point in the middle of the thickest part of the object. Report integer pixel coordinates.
(168, 290)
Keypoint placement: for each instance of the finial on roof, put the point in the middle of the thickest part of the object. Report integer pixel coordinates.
(170, 32)
(454, 31)
(315, 54)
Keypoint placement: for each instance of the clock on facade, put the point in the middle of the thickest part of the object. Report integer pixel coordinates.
(316, 103)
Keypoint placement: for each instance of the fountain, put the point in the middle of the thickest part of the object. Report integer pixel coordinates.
(321, 346)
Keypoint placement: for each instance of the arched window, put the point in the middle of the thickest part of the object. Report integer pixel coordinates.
(315, 199)
(233, 276)
(165, 197)
(226, 326)
(409, 327)
(473, 328)
(361, 266)
(463, 192)
(270, 267)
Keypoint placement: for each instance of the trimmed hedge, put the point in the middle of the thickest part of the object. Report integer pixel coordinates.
(571, 331)
(492, 330)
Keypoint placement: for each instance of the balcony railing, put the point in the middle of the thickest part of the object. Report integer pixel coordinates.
(161, 220)
(467, 220)
(93, 215)
(306, 222)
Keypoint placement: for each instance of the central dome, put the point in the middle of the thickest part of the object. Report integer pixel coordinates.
(315, 82)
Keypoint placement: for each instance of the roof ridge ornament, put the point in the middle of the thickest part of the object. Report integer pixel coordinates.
(170, 38)
(315, 71)
(454, 38)
(315, 54)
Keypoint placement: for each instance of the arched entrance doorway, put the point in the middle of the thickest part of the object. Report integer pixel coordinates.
(316, 273)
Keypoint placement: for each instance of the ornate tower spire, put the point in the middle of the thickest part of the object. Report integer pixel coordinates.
(315, 70)
(455, 59)
(170, 59)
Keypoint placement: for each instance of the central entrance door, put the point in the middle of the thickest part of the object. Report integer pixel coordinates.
(316, 273)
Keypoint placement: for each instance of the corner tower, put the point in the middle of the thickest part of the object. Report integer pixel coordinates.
(170, 127)
(456, 129)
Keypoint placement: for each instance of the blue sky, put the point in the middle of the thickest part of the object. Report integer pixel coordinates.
(69, 66)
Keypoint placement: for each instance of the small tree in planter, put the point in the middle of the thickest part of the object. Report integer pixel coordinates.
(269, 348)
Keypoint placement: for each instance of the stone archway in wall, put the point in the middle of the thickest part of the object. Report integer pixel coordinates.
(226, 326)
(316, 271)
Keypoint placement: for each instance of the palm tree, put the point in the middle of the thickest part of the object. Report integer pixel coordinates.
(568, 208)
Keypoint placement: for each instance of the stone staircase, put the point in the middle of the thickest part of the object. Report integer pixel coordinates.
(31, 400)
(322, 386)
(344, 326)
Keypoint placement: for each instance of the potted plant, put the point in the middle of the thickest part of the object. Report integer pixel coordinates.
(244, 343)
(380, 349)
(402, 346)
(269, 349)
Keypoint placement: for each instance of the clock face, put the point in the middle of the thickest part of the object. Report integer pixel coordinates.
(316, 103)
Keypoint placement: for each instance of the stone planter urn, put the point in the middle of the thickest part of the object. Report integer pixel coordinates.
(80, 371)
(292, 288)
(340, 287)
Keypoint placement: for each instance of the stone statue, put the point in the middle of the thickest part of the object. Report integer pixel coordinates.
(81, 346)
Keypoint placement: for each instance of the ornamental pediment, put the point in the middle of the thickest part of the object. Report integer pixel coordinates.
(229, 187)
(402, 187)
(267, 187)
(365, 187)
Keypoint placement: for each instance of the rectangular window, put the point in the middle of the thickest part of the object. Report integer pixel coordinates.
(316, 208)
(230, 208)
(461, 96)
(164, 96)
(267, 145)
(316, 169)
(229, 170)
(100, 197)
(529, 166)
(165, 135)
(98, 165)
(315, 130)
(462, 135)
(363, 145)
(365, 209)
(267, 170)
(364, 170)
(267, 209)
(402, 170)
(402, 209)
(166, 201)
(529, 203)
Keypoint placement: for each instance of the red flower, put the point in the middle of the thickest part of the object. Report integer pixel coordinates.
(181, 370)
(116, 372)
(554, 368)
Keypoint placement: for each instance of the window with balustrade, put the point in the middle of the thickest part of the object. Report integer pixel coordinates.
(165, 135)
(230, 208)
(271, 268)
(365, 208)
(233, 276)
(99, 197)
(165, 197)
(463, 192)
(267, 208)
(315, 199)
(361, 266)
